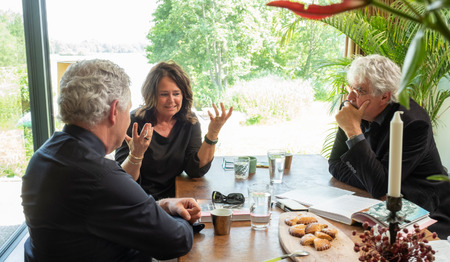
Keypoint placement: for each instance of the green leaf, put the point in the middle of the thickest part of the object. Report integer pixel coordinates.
(403, 98)
(414, 58)
(446, 3)
(439, 177)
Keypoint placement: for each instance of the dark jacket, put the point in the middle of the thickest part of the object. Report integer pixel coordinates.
(365, 165)
(81, 206)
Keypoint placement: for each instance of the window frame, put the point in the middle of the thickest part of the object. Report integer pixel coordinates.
(38, 65)
(39, 84)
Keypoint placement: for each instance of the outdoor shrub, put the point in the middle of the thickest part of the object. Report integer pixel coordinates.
(270, 99)
(16, 140)
(10, 97)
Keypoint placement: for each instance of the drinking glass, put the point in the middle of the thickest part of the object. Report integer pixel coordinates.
(241, 167)
(276, 165)
(259, 195)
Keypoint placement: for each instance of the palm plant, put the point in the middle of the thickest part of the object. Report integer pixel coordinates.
(392, 37)
(413, 35)
(389, 37)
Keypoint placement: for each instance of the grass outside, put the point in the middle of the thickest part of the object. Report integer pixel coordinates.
(272, 113)
(304, 134)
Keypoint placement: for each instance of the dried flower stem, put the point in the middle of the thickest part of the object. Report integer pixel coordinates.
(375, 245)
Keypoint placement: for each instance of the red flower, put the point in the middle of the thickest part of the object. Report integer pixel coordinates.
(320, 11)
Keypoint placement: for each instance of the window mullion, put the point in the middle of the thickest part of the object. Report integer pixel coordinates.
(38, 64)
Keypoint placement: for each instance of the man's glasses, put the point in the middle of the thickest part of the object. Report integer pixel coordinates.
(232, 198)
(359, 91)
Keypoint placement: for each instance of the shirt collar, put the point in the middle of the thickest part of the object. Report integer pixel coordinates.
(86, 137)
(381, 117)
(378, 120)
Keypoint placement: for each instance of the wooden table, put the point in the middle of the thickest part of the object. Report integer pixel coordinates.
(243, 243)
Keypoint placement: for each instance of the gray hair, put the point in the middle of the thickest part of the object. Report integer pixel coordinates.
(88, 88)
(382, 74)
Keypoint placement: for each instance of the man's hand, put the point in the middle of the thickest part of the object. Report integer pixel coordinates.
(349, 118)
(187, 208)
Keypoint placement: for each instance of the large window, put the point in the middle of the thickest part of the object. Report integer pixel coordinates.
(232, 51)
(16, 140)
(113, 30)
(272, 86)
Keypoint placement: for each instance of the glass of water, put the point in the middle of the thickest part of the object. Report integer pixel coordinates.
(276, 165)
(241, 167)
(259, 196)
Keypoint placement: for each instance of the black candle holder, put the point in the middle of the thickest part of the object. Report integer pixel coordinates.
(394, 204)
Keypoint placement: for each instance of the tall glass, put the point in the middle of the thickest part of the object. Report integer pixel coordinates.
(259, 195)
(276, 165)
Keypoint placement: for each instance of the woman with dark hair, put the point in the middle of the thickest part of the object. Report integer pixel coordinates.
(176, 143)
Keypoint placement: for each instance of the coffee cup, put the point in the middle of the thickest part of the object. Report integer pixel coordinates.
(221, 219)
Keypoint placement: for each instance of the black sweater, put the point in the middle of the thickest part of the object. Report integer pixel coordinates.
(167, 157)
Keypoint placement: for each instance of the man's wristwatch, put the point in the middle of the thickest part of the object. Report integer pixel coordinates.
(211, 142)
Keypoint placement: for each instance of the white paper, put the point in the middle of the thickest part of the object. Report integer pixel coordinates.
(314, 194)
(442, 248)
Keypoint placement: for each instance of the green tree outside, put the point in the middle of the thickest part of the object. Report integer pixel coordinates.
(12, 41)
(14, 96)
(221, 42)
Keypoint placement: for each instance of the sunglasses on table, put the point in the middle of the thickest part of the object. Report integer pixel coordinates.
(232, 198)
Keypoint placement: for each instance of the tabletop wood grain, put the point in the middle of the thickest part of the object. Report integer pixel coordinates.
(243, 243)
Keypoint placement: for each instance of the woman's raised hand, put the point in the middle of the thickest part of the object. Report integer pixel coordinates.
(217, 121)
(139, 143)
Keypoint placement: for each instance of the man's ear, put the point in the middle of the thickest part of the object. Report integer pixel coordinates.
(113, 111)
(386, 97)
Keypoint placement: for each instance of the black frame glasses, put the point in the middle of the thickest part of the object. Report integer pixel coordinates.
(232, 198)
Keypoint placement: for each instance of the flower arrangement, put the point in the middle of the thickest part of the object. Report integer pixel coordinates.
(409, 246)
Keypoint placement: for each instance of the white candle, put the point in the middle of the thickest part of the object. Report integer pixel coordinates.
(395, 155)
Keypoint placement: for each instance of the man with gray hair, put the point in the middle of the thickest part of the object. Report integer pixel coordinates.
(360, 154)
(81, 206)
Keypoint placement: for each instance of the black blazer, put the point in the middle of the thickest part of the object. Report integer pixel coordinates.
(366, 164)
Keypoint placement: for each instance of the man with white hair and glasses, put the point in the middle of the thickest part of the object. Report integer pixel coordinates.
(81, 206)
(360, 154)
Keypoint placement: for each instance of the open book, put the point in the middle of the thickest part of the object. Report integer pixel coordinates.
(240, 212)
(349, 209)
(343, 207)
(313, 194)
